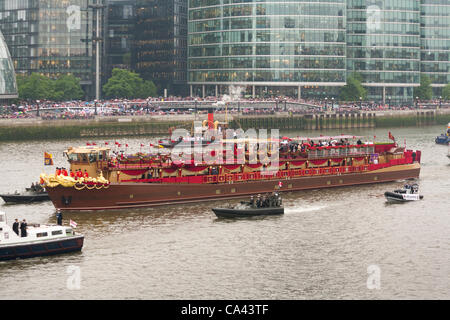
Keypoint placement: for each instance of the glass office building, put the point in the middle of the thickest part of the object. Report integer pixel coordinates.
(271, 48)
(8, 86)
(119, 35)
(383, 46)
(51, 37)
(435, 42)
(160, 50)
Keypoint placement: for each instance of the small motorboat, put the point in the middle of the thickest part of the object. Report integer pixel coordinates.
(36, 193)
(40, 240)
(444, 138)
(408, 193)
(259, 207)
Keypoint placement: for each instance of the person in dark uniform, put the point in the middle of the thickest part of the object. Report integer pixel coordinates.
(59, 218)
(252, 202)
(16, 226)
(23, 228)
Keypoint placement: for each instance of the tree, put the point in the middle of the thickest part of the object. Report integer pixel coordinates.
(35, 87)
(424, 91)
(446, 92)
(39, 87)
(128, 84)
(353, 90)
(68, 87)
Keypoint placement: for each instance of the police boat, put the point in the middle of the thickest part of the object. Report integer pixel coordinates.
(39, 240)
(36, 193)
(408, 193)
(271, 205)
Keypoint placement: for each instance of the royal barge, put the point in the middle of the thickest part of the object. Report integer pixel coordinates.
(116, 180)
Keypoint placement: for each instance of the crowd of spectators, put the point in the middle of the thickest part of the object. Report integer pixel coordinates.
(178, 105)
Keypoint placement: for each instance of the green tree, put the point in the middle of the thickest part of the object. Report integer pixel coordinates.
(424, 91)
(39, 87)
(128, 84)
(446, 92)
(353, 90)
(35, 87)
(68, 87)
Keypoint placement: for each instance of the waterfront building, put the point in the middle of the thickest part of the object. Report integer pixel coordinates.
(160, 50)
(119, 35)
(383, 46)
(8, 86)
(435, 42)
(271, 48)
(51, 37)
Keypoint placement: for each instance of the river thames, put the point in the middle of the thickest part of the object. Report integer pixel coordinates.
(321, 248)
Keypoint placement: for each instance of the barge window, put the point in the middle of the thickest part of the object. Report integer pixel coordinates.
(73, 157)
(68, 231)
(41, 234)
(54, 233)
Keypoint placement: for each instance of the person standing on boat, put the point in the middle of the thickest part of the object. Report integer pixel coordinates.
(59, 218)
(16, 226)
(23, 228)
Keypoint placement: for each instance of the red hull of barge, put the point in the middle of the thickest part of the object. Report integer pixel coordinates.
(135, 195)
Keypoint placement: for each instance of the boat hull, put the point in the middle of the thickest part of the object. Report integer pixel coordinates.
(442, 139)
(135, 195)
(20, 198)
(41, 248)
(235, 213)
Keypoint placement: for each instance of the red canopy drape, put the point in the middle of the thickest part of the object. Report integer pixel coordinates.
(318, 162)
(134, 172)
(195, 169)
(298, 163)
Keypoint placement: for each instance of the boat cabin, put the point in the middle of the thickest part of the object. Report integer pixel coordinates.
(92, 159)
(35, 232)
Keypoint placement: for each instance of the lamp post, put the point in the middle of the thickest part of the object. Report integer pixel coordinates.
(97, 7)
(332, 103)
(440, 102)
(195, 100)
(417, 102)
(95, 112)
(148, 101)
(389, 102)
(326, 103)
(360, 103)
(37, 113)
(276, 100)
(285, 104)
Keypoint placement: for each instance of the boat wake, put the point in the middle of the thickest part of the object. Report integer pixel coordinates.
(304, 209)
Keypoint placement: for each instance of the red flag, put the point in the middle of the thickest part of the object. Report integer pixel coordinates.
(116, 142)
(106, 143)
(391, 136)
(94, 144)
(126, 145)
(119, 145)
(151, 145)
(88, 144)
(142, 145)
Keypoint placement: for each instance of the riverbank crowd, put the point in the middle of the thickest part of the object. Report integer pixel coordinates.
(72, 110)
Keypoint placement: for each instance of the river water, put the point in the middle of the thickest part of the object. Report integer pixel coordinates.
(325, 246)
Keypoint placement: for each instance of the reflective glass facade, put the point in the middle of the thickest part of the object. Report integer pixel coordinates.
(435, 42)
(299, 44)
(383, 45)
(52, 37)
(160, 52)
(8, 86)
(119, 35)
